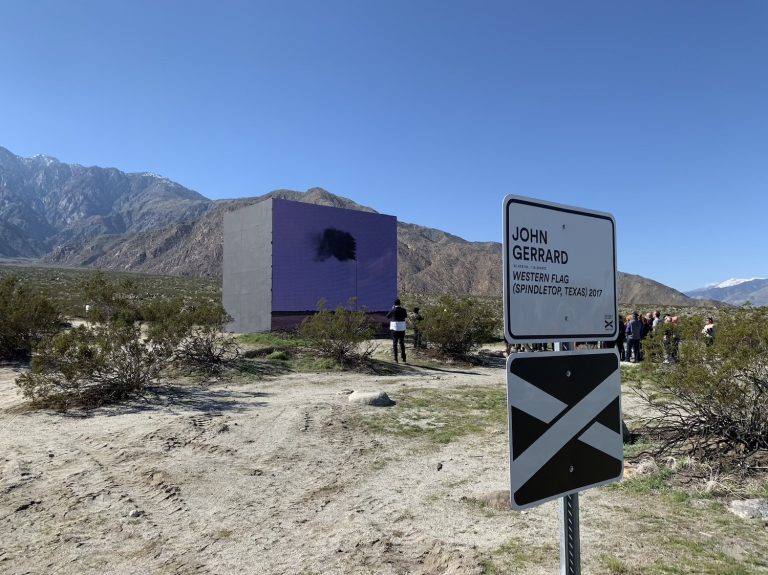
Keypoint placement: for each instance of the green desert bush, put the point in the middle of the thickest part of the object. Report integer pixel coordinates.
(340, 335)
(90, 366)
(64, 285)
(110, 301)
(711, 400)
(26, 318)
(456, 325)
(206, 349)
(191, 333)
(124, 347)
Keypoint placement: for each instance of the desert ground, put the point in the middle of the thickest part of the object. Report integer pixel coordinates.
(277, 472)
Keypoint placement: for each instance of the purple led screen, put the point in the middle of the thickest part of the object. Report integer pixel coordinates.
(331, 253)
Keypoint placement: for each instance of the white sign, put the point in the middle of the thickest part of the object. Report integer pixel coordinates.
(559, 272)
(564, 413)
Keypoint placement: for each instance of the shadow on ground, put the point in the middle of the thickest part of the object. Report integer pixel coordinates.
(183, 397)
(260, 369)
(209, 400)
(379, 367)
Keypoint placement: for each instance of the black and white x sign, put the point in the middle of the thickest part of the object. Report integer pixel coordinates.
(564, 423)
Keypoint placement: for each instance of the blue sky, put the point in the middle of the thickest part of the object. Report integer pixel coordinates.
(433, 111)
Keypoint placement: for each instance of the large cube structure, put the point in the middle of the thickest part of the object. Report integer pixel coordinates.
(282, 257)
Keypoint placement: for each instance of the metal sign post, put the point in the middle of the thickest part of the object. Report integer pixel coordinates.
(570, 544)
(570, 538)
(564, 407)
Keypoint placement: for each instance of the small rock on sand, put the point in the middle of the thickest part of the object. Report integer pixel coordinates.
(375, 398)
(750, 508)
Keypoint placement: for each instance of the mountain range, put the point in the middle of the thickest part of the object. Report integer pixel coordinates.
(75, 216)
(735, 292)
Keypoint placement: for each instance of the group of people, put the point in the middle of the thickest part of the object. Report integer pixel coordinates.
(398, 322)
(636, 328)
(632, 331)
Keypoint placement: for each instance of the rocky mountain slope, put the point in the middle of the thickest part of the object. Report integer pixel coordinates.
(429, 260)
(45, 202)
(637, 290)
(70, 215)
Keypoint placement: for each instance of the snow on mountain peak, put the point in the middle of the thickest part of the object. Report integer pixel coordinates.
(731, 282)
(48, 160)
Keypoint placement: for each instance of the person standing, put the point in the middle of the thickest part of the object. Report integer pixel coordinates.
(620, 339)
(709, 331)
(657, 321)
(634, 332)
(416, 318)
(647, 321)
(670, 341)
(397, 316)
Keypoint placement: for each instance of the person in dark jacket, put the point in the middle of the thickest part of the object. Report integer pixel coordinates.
(620, 339)
(416, 318)
(397, 316)
(634, 333)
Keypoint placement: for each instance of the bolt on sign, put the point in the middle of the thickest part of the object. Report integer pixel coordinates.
(564, 414)
(559, 272)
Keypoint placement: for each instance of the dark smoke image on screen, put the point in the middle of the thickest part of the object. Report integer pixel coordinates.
(320, 252)
(334, 243)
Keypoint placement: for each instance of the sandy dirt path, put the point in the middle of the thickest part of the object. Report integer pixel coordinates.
(270, 476)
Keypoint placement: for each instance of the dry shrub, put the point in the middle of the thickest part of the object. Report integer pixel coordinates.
(90, 366)
(712, 401)
(339, 335)
(456, 325)
(26, 318)
(111, 360)
(191, 333)
(206, 349)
